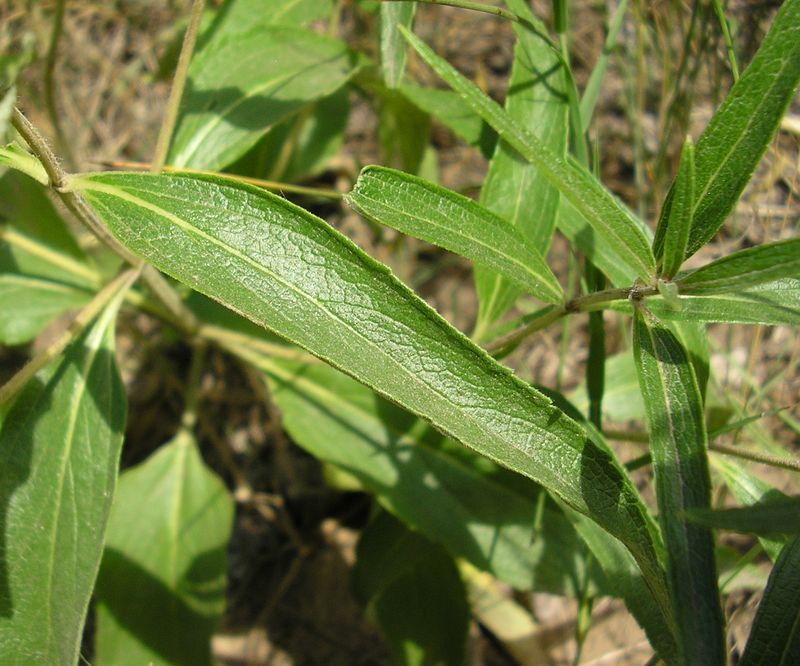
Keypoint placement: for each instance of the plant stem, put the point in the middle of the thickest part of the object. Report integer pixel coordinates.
(49, 81)
(467, 4)
(726, 37)
(178, 85)
(77, 205)
(103, 297)
(792, 464)
(189, 417)
(271, 185)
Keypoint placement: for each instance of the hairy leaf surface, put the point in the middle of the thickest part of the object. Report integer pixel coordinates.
(289, 271)
(454, 222)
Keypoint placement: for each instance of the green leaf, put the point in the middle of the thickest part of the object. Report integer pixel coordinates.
(8, 98)
(278, 70)
(60, 445)
(775, 639)
(30, 304)
(624, 580)
(741, 129)
(678, 445)
(772, 304)
(454, 222)
(745, 269)
(477, 514)
(161, 588)
(513, 188)
(781, 516)
(748, 489)
(43, 272)
(289, 271)
(622, 399)
(414, 592)
(403, 131)
(679, 221)
(318, 139)
(447, 107)
(608, 217)
(393, 48)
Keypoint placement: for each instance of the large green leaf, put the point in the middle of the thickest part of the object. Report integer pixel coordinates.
(60, 446)
(781, 516)
(607, 216)
(393, 48)
(237, 16)
(476, 514)
(678, 445)
(161, 588)
(513, 188)
(292, 273)
(447, 107)
(414, 592)
(775, 637)
(772, 303)
(745, 269)
(452, 221)
(278, 70)
(741, 129)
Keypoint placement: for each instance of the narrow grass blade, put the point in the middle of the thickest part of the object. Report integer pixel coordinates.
(422, 481)
(608, 217)
(771, 517)
(393, 48)
(292, 273)
(592, 90)
(161, 587)
(513, 187)
(279, 70)
(745, 269)
(679, 220)
(414, 592)
(60, 445)
(775, 637)
(678, 447)
(442, 217)
(741, 129)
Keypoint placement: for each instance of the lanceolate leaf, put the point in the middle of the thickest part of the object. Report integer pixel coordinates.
(513, 188)
(161, 588)
(772, 303)
(289, 271)
(678, 445)
(740, 131)
(477, 516)
(608, 217)
(454, 222)
(393, 48)
(745, 269)
(278, 70)
(770, 517)
(679, 220)
(60, 447)
(414, 592)
(775, 636)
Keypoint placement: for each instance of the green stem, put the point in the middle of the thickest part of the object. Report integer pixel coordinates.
(178, 85)
(595, 301)
(726, 36)
(792, 464)
(49, 81)
(189, 418)
(103, 297)
(474, 6)
(77, 205)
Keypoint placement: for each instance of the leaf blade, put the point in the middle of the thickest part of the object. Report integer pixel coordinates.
(288, 271)
(393, 49)
(442, 217)
(601, 209)
(679, 220)
(678, 444)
